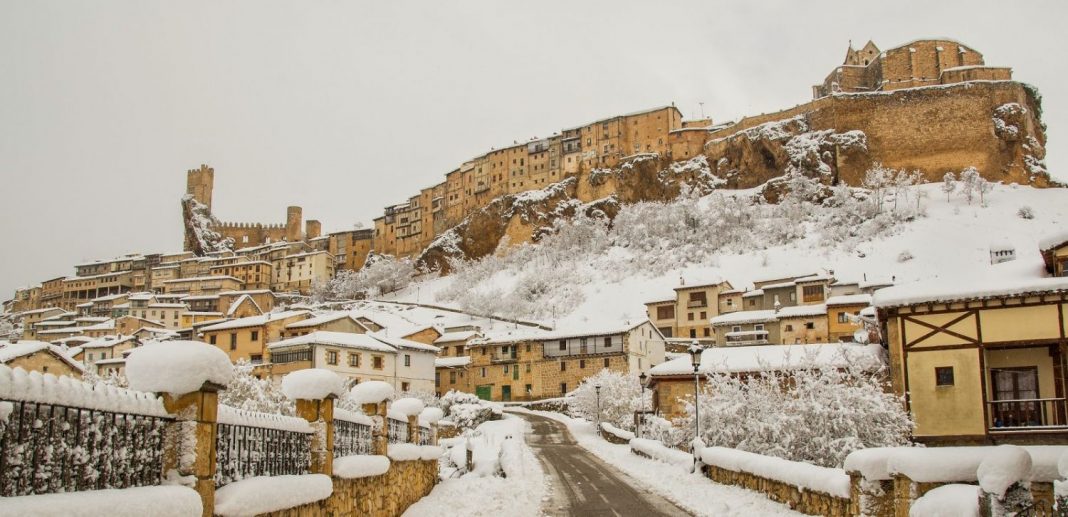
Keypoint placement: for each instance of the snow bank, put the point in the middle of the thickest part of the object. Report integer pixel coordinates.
(948, 501)
(659, 452)
(18, 384)
(617, 432)
(234, 416)
(159, 501)
(312, 384)
(871, 463)
(371, 392)
(1005, 465)
(431, 416)
(512, 458)
(351, 416)
(801, 475)
(407, 406)
(350, 467)
(1062, 465)
(264, 494)
(413, 452)
(177, 367)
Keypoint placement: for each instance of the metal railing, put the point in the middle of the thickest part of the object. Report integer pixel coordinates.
(243, 451)
(1027, 414)
(397, 430)
(426, 437)
(351, 438)
(51, 448)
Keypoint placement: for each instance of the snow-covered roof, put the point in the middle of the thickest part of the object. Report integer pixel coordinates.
(814, 278)
(754, 292)
(1014, 278)
(801, 311)
(452, 337)
(200, 279)
(12, 351)
(237, 304)
(40, 311)
(1053, 240)
(737, 318)
(108, 342)
(253, 321)
(703, 280)
(746, 333)
(107, 325)
(775, 357)
(200, 297)
(779, 285)
(324, 318)
(168, 306)
(340, 339)
(404, 343)
(451, 362)
(849, 299)
(603, 330)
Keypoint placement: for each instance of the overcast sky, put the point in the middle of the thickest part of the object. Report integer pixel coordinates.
(345, 107)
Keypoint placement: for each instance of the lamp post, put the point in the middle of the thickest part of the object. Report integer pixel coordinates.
(641, 416)
(597, 389)
(695, 359)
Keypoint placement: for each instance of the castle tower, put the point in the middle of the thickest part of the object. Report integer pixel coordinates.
(199, 183)
(294, 216)
(312, 229)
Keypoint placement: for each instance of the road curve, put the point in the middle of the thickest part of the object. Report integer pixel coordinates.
(583, 485)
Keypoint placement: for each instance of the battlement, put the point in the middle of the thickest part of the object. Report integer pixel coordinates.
(200, 183)
(246, 226)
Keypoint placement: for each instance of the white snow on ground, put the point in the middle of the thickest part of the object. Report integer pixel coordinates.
(692, 492)
(948, 501)
(159, 501)
(475, 494)
(263, 494)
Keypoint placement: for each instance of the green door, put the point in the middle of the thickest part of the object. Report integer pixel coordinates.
(515, 372)
(484, 392)
(506, 393)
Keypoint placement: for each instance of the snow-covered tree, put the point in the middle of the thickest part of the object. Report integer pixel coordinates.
(1026, 212)
(380, 275)
(247, 392)
(620, 397)
(949, 184)
(817, 415)
(971, 184)
(110, 379)
(877, 179)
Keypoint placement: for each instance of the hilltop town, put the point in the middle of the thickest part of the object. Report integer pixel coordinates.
(898, 227)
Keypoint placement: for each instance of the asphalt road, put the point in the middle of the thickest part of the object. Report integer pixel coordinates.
(583, 485)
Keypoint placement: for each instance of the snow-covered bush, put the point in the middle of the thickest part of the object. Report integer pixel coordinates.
(620, 397)
(381, 274)
(245, 391)
(949, 184)
(816, 415)
(904, 256)
(465, 410)
(429, 399)
(1025, 212)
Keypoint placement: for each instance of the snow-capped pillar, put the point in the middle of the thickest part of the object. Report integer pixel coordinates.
(382, 437)
(1003, 477)
(413, 429)
(189, 456)
(320, 414)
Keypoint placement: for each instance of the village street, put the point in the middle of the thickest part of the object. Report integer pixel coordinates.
(582, 483)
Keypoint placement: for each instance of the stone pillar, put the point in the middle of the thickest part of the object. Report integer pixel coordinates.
(196, 417)
(381, 438)
(320, 414)
(413, 429)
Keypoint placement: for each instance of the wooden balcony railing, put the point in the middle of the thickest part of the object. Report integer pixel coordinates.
(1027, 414)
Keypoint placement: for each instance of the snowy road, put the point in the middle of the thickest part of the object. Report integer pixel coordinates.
(582, 483)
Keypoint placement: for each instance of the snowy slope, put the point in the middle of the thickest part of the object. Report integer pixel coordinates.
(950, 238)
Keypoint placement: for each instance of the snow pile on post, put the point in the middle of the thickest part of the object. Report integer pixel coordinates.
(872, 464)
(18, 384)
(407, 406)
(804, 476)
(431, 416)
(179, 501)
(371, 392)
(1005, 466)
(938, 464)
(312, 384)
(659, 452)
(948, 501)
(617, 432)
(234, 416)
(264, 494)
(177, 367)
(351, 467)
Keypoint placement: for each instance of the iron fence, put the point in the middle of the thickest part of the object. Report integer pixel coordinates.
(51, 448)
(425, 436)
(243, 451)
(351, 438)
(398, 431)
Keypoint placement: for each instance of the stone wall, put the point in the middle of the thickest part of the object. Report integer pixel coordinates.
(387, 495)
(804, 501)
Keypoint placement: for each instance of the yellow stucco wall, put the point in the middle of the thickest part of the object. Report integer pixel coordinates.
(946, 410)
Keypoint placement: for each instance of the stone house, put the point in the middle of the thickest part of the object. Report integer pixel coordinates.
(843, 313)
(202, 285)
(297, 273)
(248, 337)
(452, 374)
(104, 348)
(1055, 254)
(330, 322)
(38, 356)
(803, 324)
(746, 328)
(685, 315)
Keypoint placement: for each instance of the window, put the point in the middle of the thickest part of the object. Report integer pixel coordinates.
(698, 299)
(563, 366)
(693, 332)
(527, 388)
(483, 372)
(707, 331)
(758, 326)
(255, 335)
(752, 302)
(582, 363)
(528, 367)
(211, 339)
(608, 342)
(405, 386)
(407, 359)
(665, 312)
(607, 361)
(843, 317)
(452, 377)
(377, 362)
(563, 345)
(689, 316)
(233, 341)
(331, 357)
(506, 369)
(704, 315)
(789, 328)
(943, 376)
(812, 293)
(736, 328)
(730, 302)
(354, 360)
(563, 388)
(810, 325)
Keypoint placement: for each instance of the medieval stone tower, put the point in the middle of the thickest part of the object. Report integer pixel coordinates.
(199, 183)
(294, 220)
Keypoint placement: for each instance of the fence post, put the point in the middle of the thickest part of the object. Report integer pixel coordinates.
(413, 429)
(190, 448)
(320, 412)
(380, 439)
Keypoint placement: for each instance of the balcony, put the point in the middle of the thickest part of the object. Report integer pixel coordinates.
(1035, 415)
(747, 338)
(503, 358)
(696, 304)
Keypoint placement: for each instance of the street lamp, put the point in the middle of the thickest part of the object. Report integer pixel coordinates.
(695, 359)
(597, 389)
(641, 416)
